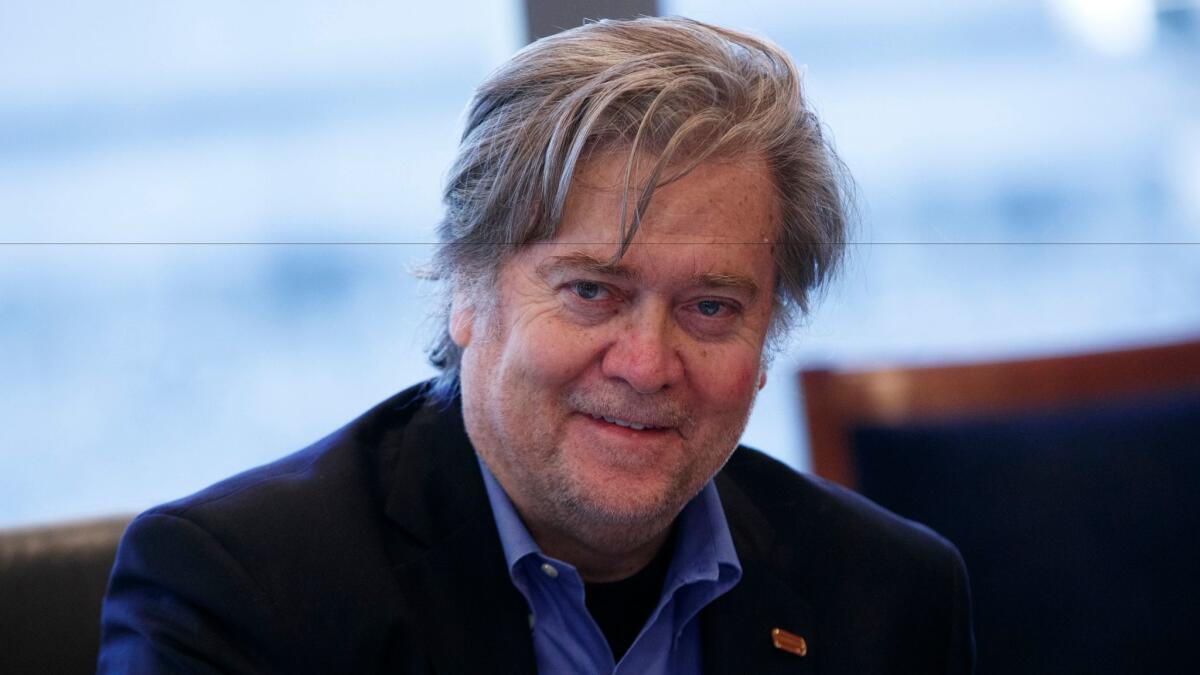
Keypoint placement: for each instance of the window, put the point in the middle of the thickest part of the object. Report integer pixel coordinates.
(189, 200)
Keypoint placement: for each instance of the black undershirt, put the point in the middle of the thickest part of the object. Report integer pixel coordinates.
(622, 607)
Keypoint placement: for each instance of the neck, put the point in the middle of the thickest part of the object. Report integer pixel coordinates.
(603, 558)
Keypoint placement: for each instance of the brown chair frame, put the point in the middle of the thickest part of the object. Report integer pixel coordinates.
(836, 401)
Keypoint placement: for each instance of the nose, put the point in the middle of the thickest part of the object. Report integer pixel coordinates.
(644, 353)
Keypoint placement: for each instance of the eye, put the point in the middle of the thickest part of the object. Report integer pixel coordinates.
(712, 318)
(588, 290)
(589, 302)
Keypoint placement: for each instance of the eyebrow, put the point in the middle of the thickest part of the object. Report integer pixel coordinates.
(734, 281)
(588, 263)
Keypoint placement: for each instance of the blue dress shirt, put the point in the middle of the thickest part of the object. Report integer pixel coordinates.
(565, 638)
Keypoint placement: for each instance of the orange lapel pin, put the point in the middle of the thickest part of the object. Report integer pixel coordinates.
(789, 642)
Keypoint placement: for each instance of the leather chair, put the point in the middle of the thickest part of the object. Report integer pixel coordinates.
(52, 581)
(1068, 483)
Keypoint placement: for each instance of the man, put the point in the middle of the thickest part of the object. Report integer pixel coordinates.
(637, 211)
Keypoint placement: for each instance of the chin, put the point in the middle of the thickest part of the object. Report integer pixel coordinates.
(639, 506)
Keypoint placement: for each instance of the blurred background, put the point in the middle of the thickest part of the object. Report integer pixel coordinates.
(210, 212)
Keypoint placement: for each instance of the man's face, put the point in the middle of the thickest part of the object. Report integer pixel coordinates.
(604, 396)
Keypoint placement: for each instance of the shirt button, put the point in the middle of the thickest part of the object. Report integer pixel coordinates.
(549, 570)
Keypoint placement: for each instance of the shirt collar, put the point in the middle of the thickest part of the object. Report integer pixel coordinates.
(514, 537)
(704, 546)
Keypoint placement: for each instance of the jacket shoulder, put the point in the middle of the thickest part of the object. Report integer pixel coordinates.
(808, 508)
(299, 483)
(255, 562)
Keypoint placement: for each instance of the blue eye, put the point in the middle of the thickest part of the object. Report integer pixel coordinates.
(588, 290)
(708, 307)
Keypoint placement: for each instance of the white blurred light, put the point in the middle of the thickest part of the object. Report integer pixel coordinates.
(1183, 175)
(1114, 27)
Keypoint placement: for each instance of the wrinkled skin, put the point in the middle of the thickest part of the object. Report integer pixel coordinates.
(670, 338)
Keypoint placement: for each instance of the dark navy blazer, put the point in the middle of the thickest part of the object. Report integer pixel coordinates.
(374, 551)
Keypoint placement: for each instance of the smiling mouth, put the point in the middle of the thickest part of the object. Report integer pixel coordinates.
(636, 426)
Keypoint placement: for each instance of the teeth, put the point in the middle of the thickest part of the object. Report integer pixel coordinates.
(622, 423)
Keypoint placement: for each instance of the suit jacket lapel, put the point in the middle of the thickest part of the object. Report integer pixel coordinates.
(736, 628)
(471, 618)
(449, 563)
(450, 568)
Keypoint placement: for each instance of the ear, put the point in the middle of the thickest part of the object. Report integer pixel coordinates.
(462, 320)
(762, 378)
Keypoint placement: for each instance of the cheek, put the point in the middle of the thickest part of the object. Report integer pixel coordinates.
(726, 381)
(554, 353)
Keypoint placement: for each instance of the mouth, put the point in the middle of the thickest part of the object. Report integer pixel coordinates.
(628, 424)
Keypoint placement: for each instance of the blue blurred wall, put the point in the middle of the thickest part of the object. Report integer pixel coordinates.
(193, 198)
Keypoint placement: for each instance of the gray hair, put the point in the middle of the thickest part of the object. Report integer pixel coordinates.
(672, 89)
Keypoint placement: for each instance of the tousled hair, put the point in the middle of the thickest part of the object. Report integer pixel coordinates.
(673, 90)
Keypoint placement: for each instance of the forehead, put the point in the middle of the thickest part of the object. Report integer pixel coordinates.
(715, 202)
(713, 227)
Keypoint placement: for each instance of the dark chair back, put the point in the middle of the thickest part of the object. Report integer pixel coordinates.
(1068, 484)
(52, 581)
(1080, 528)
